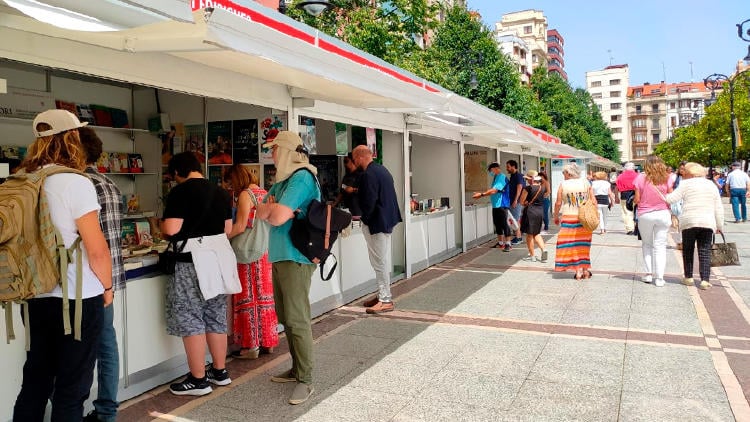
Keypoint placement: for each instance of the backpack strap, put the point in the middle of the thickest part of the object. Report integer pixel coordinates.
(9, 332)
(330, 273)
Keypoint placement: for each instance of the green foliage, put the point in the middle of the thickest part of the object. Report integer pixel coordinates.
(709, 140)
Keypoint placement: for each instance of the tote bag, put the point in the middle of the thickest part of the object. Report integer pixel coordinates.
(512, 223)
(250, 245)
(723, 254)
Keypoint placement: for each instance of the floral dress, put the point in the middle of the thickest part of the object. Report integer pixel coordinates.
(254, 314)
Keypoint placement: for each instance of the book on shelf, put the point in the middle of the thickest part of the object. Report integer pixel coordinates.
(135, 162)
(103, 163)
(129, 237)
(66, 105)
(85, 114)
(119, 118)
(132, 203)
(102, 115)
(143, 233)
(119, 162)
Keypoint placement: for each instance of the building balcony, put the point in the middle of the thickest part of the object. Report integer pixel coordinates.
(649, 112)
(638, 129)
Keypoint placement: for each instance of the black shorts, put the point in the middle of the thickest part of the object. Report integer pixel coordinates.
(500, 220)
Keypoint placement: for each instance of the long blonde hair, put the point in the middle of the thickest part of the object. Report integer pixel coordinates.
(655, 169)
(63, 148)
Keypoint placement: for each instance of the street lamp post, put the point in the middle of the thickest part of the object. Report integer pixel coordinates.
(713, 82)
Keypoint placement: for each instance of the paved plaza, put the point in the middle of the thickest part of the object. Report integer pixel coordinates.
(486, 336)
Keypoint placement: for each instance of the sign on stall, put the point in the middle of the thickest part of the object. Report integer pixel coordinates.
(25, 103)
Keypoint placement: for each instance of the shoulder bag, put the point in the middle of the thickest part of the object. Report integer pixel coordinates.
(675, 208)
(588, 212)
(724, 253)
(250, 245)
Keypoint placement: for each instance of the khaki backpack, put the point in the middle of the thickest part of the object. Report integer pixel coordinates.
(33, 257)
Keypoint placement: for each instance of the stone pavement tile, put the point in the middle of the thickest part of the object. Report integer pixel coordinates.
(430, 355)
(544, 401)
(394, 377)
(525, 313)
(217, 414)
(427, 410)
(506, 356)
(671, 371)
(743, 289)
(600, 316)
(385, 328)
(486, 389)
(544, 300)
(352, 345)
(668, 320)
(355, 404)
(444, 294)
(579, 361)
(655, 407)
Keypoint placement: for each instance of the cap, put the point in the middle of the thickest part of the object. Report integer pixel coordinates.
(284, 139)
(493, 166)
(629, 166)
(736, 164)
(59, 120)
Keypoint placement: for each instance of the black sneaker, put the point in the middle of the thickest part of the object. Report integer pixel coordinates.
(191, 386)
(217, 376)
(506, 248)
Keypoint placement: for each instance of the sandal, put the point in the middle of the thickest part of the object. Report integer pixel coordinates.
(578, 276)
(246, 354)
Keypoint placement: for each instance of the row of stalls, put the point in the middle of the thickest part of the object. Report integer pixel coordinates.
(215, 77)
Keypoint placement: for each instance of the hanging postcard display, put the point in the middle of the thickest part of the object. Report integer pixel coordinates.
(307, 133)
(245, 141)
(342, 140)
(195, 142)
(371, 141)
(268, 129)
(220, 142)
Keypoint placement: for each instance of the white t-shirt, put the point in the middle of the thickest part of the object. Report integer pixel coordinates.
(71, 196)
(600, 187)
(737, 179)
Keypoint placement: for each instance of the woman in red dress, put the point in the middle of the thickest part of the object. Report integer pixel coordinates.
(254, 327)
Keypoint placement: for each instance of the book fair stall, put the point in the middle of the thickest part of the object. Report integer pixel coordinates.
(171, 76)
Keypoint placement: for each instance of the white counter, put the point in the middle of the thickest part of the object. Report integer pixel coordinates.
(431, 239)
(478, 226)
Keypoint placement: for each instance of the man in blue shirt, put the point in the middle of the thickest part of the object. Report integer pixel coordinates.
(291, 271)
(380, 214)
(500, 200)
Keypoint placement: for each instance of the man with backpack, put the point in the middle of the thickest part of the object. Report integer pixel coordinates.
(59, 365)
(380, 214)
(110, 218)
(289, 198)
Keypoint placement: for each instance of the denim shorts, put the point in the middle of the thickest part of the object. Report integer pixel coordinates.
(188, 314)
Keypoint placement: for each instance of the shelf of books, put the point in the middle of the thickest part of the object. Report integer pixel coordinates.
(23, 121)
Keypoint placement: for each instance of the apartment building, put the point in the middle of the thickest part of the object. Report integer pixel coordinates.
(517, 49)
(556, 53)
(531, 27)
(609, 90)
(656, 110)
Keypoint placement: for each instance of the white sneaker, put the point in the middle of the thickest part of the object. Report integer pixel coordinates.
(688, 281)
(647, 278)
(705, 285)
(659, 282)
(528, 258)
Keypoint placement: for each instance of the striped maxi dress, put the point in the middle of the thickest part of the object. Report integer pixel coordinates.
(573, 241)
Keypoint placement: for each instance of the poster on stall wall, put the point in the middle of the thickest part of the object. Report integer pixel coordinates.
(475, 171)
(245, 141)
(269, 176)
(216, 174)
(307, 133)
(268, 129)
(328, 172)
(542, 164)
(372, 141)
(194, 141)
(342, 141)
(25, 103)
(220, 142)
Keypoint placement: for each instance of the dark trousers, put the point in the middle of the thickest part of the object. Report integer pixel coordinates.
(704, 238)
(58, 366)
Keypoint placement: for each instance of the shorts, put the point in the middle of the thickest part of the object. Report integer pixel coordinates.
(500, 220)
(188, 314)
(516, 211)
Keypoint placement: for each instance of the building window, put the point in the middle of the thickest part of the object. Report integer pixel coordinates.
(639, 137)
(615, 118)
(672, 105)
(527, 29)
(599, 106)
(654, 123)
(597, 96)
(673, 121)
(684, 103)
(615, 106)
(616, 130)
(655, 108)
(696, 103)
(639, 123)
(638, 109)
(640, 152)
(638, 94)
(655, 138)
(614, 82)
(596, 84)
(614, 94)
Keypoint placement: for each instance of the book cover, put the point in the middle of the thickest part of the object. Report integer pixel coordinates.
(220, 142)
(143, 233)
(194, 141)
(122, 157)
(129, 237)
(119, 117)
(85, 114)
(135, 163)
(134, 203)
(102, 115)
(103, 164)
(66, 105)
